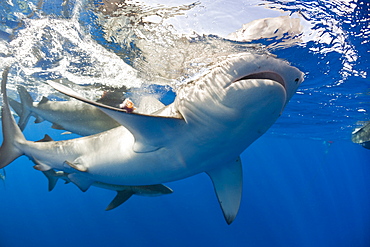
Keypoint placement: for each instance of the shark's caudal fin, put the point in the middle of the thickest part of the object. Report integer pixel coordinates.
(228, 183)
(22, 109)
(11, 132)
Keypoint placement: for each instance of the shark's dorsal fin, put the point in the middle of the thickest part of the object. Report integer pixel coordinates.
(120, 198)
(57, 127)
(150, 132)
(228, 182)
(39, 119)
(43, 100)
(46, 138)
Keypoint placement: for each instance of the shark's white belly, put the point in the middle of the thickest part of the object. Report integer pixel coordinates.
(112, 160)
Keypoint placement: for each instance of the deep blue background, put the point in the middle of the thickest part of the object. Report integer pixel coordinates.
(297, 192)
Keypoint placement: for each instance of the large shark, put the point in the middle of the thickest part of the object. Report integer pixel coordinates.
(212, 120)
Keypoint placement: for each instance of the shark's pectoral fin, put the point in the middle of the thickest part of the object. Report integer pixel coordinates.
(76, 177)
(82, 182)
(150, 132)
(228, 182)
(120, 198)
(151, 190)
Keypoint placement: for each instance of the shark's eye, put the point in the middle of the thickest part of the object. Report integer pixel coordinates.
(296, 80)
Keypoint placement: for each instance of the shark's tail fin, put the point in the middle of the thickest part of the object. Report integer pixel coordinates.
(11, 132)
(22, 109)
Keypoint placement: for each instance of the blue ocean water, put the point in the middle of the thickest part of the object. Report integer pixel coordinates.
(305, 182)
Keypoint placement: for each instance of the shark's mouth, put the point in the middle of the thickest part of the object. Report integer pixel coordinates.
(265, 75)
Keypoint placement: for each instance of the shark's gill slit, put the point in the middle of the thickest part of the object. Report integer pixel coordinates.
(265, 75)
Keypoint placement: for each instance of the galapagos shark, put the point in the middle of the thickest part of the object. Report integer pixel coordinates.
(212, 120)
(74, 116)
(362, 135)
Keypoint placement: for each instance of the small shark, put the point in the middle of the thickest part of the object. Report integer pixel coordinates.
(212, 120)
(74, 116)
(123, 192)
(3, 176)
(82, 119)
(362, 135)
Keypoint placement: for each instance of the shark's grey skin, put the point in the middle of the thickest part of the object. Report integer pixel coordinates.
(362, 135)
(211, 122)
(82, 119)
(123, 192)
(3, 175)
(74, 116)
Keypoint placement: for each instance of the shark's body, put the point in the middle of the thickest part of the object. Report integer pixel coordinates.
(3, 175)
(210, 123)
(123, 192)
(362, 135)
(74, 116)
(81, 119)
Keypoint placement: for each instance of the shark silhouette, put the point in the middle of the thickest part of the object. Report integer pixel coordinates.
(212, 120)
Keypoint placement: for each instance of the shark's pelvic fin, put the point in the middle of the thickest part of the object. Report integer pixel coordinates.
(77, 164)
(228, 183)
(40, 166)
(52, 178)
(150, 132)
(120, 198)
(80, 181)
